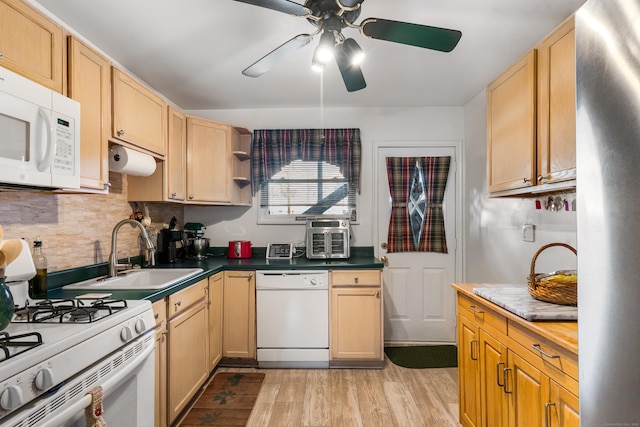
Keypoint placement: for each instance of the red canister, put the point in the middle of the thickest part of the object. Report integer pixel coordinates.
(239, 249)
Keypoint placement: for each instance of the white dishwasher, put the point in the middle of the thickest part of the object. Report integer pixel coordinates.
(292, 318)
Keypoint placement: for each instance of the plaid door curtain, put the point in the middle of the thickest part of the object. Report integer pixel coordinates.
(417, 186)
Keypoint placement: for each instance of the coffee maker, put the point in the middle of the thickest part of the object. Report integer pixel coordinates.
(170, 245)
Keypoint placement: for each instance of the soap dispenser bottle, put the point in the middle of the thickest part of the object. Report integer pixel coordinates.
(38, 285)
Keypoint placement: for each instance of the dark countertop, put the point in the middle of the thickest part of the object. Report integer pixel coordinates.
(360, 259)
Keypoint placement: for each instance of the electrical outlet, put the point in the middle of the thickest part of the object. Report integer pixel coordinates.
(528, 233)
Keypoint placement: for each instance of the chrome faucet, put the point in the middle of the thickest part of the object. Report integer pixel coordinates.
(114, 265)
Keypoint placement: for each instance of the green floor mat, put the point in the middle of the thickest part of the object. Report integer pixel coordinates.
(424, 356)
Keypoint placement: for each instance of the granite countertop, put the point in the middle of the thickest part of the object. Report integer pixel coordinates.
(361, 258)
(518, 301)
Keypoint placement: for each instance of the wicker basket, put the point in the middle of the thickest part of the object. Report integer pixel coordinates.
(543, 286)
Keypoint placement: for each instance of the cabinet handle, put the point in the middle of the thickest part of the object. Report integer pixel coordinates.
(355, 279)
(471, 349)
(505, 376)
(475, 310)
(550, 356)
(174, 195)
(546, 412)
(378, 294)
(120, 132)
(178, 304)
(525, 180)
(156, 315)
(498, 373)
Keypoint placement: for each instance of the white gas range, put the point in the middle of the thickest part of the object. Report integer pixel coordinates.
(54, 355)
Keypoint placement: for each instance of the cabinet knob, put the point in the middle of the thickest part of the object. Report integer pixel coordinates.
(355, 279)
(525, 180)
(384, 259)
(120, 132)
(378, 294)
(383, 245)
(173, 195)
(190, 196)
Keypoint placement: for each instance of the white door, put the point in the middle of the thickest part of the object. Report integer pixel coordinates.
(419, 303)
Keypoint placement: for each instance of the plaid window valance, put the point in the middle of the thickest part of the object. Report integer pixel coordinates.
(273, 149)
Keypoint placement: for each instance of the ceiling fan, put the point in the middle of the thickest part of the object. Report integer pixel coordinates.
(331, 17)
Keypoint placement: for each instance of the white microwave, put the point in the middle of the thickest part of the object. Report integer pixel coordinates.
(39, 135)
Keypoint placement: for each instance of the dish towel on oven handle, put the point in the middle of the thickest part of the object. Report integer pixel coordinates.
(93, 413)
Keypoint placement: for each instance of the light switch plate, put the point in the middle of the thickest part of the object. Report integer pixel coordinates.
(528, 233)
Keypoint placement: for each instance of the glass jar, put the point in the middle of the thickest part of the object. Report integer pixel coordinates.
(6, 304)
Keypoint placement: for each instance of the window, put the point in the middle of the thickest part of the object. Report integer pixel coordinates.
(305, 188)
(305, 172)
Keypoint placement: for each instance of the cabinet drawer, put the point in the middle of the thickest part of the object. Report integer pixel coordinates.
(160, 311)
(184, 299)
(355, 278)
(549, 357)
(481, 314)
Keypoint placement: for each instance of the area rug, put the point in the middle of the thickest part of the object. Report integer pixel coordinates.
(424, 356)
(227, 401)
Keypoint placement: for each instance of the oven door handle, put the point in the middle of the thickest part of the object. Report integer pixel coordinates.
(83, 402)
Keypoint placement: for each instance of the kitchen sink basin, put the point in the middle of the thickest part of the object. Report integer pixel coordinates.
(152, 278)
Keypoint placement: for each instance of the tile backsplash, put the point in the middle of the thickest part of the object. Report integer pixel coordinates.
(76, 228)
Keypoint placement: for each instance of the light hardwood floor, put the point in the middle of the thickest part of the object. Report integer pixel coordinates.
(393, 396)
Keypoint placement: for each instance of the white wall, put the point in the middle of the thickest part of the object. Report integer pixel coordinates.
(494, 249)
(399, 124)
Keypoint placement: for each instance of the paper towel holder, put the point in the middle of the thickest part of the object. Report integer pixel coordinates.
(125, 160)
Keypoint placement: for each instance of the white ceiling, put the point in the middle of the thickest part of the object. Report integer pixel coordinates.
(193, 51)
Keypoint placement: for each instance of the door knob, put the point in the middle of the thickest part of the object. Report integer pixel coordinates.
(383, 245)
(384, 259)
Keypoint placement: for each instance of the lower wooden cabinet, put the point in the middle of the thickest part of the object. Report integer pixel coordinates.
(214, 311)
(239, 313)
(356, 336)
(160, 313)
(509, 375)
(188, 346)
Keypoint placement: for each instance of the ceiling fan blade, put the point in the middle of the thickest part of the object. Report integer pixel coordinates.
(351, 74)
(265, 63)
(436, 38)
(350, 3)
(285, 6)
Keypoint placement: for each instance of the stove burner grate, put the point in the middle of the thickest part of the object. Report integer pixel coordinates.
(22, 342)
(67, 311)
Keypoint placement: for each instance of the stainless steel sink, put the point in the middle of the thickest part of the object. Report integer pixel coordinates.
(152, 278)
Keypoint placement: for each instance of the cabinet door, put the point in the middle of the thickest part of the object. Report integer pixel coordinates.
(176, 161)
(31, 44)
(239, 331)
(493, 360)
(528, 391)
(139, 115)
(563, 408)
(90, 85)
(188, 350)
(468, 372)
(215, 305)
(208, 161)
(557, 105)
(511, 127)
(356, 323)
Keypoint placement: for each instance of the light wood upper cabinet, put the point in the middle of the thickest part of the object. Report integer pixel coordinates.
(531, 119)
(557, 105)
(511, 129)
(90, 85)
(176, 162)
(356, 318)
(139, 115)
(209, 161)
(31, 44)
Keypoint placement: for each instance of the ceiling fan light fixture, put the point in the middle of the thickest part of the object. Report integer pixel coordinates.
(317, 65)
(353, 51)
(324, 50)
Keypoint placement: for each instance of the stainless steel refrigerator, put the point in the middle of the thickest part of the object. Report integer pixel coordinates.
(608, 217)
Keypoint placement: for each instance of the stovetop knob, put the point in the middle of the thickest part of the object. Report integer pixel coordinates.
(140, 326)
(43, 379)
(10, 398)
(126, 334)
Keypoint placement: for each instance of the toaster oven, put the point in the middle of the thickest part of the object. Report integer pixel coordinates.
(328, 238)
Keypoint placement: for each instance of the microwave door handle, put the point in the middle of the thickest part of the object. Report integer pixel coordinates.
(45, 163)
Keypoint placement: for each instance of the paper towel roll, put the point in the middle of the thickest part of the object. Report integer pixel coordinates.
(130, 162)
